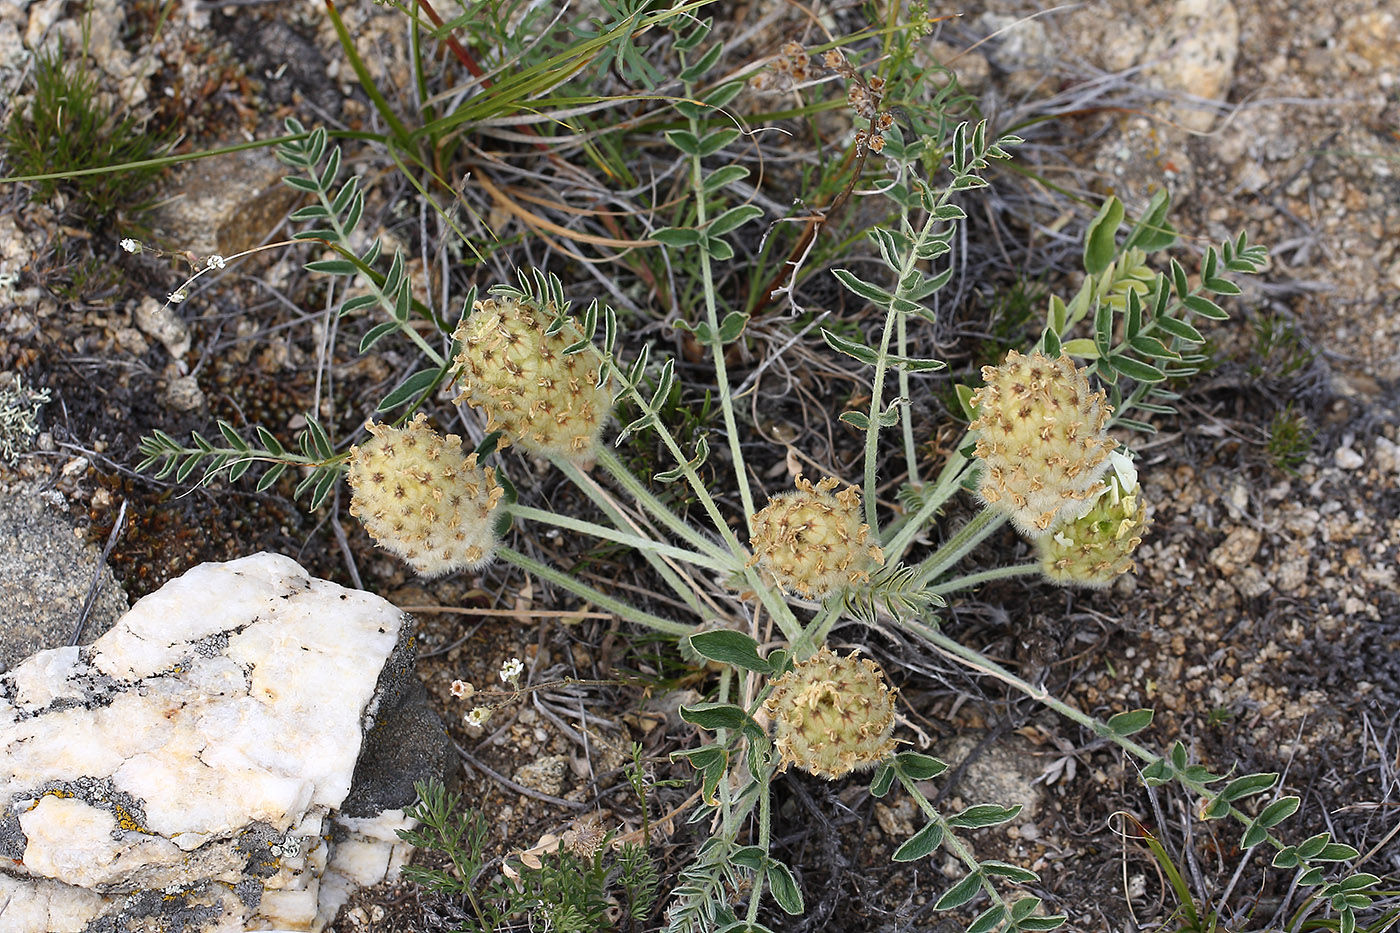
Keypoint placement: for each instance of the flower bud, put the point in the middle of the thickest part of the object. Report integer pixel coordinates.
(421, 498)
(1098, 546)
(833, 715)
(547, 402)
(1042, 439)
(813, 541)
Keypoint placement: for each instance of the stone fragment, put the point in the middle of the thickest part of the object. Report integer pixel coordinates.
(163, 322)
(545, 775)
(190, 768)
(46, 573)
(1237, 550)
(1194, 55)
(183, 394)
(1348, 459)
(225, 205)
(1387, 455)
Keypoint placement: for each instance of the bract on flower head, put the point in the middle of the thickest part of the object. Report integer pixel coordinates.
(517, 373)
(1042, 438)
(833, 714)
(813, 541)
(1096, 547)
(423, 499)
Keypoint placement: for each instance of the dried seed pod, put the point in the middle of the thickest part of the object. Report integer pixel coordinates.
(423, 499)
(518, 374)
(1098, 546)
(813, 541)
(833, 714)
(1042, 439)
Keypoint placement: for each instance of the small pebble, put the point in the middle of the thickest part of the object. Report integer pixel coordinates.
(1347, 459)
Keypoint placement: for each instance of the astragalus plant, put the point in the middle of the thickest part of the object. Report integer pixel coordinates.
(1046, 446)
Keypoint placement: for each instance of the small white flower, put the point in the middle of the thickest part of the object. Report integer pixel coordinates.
(176, 297)
(462, 690)
(478, 716)
(511, 671)
(130, 245)
(216, 262)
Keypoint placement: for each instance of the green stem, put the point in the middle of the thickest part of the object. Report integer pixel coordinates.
(707, 281)
(979, 662)
(683, 588)
(872, 431)
(597, 597)
(950, 841)
(764, 836)
(646, 545)
(906, 420)
(775, 604)
(986, 576)
(683, 463)
(385, 301)
(648, 500)
(944, 489)
(877, 385)
(957, 547)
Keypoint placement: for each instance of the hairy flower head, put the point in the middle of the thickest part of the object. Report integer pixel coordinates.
(833, 714)
(516, 372)
(1042, 439)
(812, 540)
(423, 499)
(1098, 545)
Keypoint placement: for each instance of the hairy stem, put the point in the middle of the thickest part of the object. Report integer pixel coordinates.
(646, 545)
(986, 576)
(958, 546)
(647, 499)
(595, 596)
(707, 281)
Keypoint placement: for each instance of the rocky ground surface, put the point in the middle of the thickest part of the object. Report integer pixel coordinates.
(1263, 625)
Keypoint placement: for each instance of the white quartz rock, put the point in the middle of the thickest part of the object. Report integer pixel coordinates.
(192, 755)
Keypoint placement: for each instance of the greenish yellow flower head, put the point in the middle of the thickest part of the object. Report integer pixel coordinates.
(812, 540)
(833, 715)
(1042, 438)
(423, 499)
(1098, 546)
(515, 372)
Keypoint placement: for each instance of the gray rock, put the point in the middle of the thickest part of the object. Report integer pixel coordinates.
(407, 742)
(46, 572)
(190, 768)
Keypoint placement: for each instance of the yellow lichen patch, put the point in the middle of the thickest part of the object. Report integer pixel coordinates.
(517, 373)
(126, 821)
(813, 541)
(1042, 438)
(421, 497)
(833, 714)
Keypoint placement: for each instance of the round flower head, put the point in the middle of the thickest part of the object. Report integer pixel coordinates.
(421, 498)
(833, 715)
(518, 374)
(812, 540)
(1099, 545)
(1042, 439)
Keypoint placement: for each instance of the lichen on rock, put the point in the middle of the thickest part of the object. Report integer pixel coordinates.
(194, 760)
